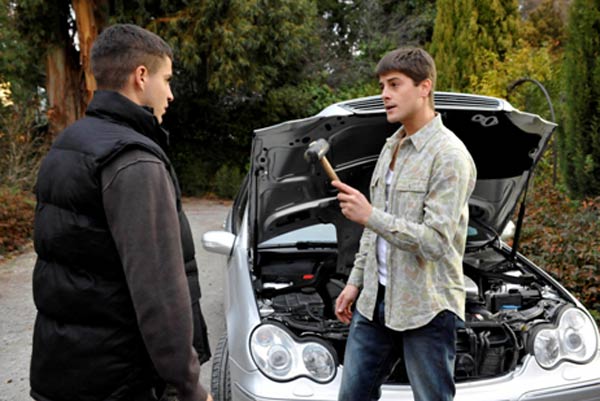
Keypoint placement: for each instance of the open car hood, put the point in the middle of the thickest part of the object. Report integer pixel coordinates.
(289, 193)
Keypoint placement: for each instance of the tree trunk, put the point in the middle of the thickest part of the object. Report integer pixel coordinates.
(70, 82)
(91, 17)
(63, 78)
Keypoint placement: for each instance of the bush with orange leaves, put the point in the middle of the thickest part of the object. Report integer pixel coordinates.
(562, 235)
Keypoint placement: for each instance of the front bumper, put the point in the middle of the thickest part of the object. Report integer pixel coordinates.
(568, 382)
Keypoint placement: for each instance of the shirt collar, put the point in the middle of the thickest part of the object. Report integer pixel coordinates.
(422, 136)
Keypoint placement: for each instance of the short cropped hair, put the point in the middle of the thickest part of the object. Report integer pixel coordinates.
(413, 62)
(120, 49)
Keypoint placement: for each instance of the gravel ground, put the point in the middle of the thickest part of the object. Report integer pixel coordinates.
(17, 312)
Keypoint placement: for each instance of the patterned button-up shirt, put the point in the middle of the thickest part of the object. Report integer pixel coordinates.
(425, 225)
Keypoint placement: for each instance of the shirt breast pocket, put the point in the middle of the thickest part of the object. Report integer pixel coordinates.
(375, 191)
(409, 199)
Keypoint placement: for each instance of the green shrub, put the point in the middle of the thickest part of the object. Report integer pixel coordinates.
(16, 219)
(227, 181)
(580, 141)
(194, 176)
(197, 163)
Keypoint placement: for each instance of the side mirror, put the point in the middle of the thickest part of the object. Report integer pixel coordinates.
(220, 242)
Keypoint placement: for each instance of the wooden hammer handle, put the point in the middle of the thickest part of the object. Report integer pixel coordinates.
(329, 170)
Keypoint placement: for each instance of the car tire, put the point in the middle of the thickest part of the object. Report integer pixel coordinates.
(220, 382)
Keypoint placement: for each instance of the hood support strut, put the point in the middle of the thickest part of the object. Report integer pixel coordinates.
(515, 245)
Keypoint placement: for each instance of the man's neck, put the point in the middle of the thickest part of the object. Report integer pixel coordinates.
(130, 94)
(418, 120)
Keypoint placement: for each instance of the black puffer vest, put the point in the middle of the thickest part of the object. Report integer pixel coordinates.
(86, 321)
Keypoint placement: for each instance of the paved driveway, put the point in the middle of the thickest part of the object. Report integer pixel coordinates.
(17, 311)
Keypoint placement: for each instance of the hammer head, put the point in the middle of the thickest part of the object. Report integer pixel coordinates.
(316, 150)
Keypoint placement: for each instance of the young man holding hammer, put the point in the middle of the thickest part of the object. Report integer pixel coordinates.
(408, 269)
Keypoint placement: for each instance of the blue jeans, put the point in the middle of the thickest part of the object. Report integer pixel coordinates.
(372, 351)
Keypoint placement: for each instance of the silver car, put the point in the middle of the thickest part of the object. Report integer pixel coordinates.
(289, 251)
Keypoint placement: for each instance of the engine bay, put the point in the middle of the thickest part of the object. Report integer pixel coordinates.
(505, 300)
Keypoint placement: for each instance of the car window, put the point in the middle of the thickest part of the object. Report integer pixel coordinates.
(320, 233)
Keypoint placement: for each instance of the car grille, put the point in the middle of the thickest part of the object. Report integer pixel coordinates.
(443, 100)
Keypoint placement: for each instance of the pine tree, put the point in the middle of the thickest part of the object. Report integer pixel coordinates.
(580, 143)
(469, 36)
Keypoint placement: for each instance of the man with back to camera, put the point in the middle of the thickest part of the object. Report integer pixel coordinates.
(409, 263)
(116, 283)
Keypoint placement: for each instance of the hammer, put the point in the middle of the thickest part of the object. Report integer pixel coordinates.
(316, 151)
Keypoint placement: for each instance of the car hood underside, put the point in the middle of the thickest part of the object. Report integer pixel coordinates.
(288, 193)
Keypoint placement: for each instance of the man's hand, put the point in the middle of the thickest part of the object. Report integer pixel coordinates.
(344, 303)
(209, 398)
(354, 204)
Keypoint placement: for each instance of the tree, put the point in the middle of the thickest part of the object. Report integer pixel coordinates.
(21, 120)
(52, 29)
(239, 64)
(230, 59)
(243, 47)
(355, 34)
(90, 16)
(545, 25)
(580, 143)
(20, 72)
(469, 37)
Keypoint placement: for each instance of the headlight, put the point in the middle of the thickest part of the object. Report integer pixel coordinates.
(282, 357)
(573, 340)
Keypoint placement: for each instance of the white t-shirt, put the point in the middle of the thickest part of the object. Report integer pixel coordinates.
(382, 245)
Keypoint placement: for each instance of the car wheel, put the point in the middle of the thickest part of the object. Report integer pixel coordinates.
(220, 382)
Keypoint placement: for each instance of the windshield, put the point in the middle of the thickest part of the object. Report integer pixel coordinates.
(317, 233)
(325, 234)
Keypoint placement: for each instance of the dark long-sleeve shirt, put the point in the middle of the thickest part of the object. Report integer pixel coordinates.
(140, 203)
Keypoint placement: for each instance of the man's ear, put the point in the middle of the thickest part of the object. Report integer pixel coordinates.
(425, 87)
(140, 75)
